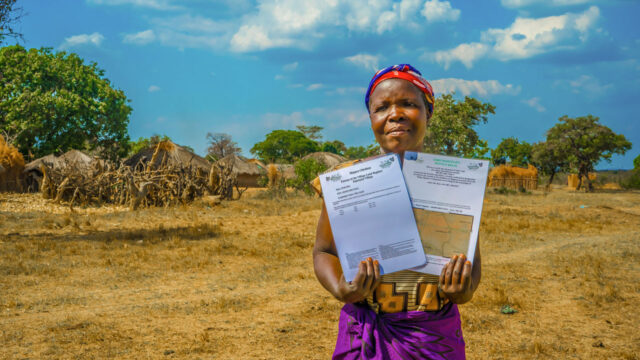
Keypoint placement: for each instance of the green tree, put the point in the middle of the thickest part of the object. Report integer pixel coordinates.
(312, 131)
(636, 163)
(361, 152)
(221, 145)
(585, 142)
(335, 147)
(306, 171)
(284, 146)
(135, 146)
(511, 150)
(10, 14)
(53, 102)
(550, 159)
(451, 129)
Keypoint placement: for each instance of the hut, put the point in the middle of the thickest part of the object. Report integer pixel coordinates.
(326, 158)
(514, 177)
(11, 167)
(71, 159)
(247, 173)
(166, 154)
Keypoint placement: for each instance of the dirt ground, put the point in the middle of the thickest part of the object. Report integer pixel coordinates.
(235, 281)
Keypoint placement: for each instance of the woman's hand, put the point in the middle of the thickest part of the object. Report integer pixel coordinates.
(363, 284)
(455, 280)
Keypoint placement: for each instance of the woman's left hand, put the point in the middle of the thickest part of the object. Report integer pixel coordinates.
(455, 280)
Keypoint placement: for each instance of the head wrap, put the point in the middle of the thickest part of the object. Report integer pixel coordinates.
(405, 72)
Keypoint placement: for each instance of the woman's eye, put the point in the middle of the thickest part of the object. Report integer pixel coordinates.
(380, 108)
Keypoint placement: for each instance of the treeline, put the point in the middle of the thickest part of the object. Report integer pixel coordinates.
(51, 102)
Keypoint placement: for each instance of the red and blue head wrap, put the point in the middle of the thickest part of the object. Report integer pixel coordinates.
(405, 72)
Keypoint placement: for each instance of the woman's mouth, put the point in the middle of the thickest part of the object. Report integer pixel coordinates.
(397, 132)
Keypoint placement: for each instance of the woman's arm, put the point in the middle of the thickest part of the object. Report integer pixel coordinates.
(329, 272)
(460, 279)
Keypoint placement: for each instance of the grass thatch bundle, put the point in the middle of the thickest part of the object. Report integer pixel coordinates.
(11, 167)
(573, 180)
(514, 177)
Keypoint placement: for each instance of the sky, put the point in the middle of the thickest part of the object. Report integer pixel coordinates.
(245, 67)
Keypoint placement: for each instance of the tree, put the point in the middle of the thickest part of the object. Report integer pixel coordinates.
(221, 145)
(361, 152)
(284, 146)
(550, 159)
(451, 132)
(636, 163)
(513, 151)
(335, 147)
(585, 142)
(312, 131)
(9, 16)
(53, 102)
(144, 143)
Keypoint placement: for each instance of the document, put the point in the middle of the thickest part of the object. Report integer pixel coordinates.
(371, 216)
(447, 195)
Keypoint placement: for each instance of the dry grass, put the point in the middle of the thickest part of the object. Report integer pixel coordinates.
(236, 281)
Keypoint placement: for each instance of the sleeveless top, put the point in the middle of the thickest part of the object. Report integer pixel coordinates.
(403, 290)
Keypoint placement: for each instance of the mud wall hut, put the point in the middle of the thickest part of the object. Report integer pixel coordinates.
(247, 173)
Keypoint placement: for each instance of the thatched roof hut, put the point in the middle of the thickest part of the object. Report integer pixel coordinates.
(328, 159)
(288, 171)
(247, 172)
(73, 158)
(166, 153)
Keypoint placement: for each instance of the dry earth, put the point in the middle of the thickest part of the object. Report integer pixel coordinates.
(235, 281)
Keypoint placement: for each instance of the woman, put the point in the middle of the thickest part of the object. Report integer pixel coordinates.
(403, 315)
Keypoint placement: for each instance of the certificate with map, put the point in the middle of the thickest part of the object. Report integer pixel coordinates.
(371, 216)
(447, 195)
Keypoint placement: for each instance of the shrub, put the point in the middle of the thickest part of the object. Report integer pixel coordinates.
(306, 170)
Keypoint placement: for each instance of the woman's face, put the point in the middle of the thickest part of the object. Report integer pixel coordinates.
(398, 116)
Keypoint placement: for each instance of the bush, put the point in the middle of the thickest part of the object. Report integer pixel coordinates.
(306, 170)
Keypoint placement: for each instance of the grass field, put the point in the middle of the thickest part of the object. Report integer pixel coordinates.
(236, 281)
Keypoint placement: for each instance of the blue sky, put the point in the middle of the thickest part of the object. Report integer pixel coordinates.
(247, 67)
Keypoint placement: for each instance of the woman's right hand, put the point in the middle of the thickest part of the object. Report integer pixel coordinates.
(364, 283)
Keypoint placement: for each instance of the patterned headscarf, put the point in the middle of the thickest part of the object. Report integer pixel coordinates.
(405, 72)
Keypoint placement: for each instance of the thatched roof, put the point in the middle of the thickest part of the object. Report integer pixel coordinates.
(73, 158)
(326, 158)
(288, 171)
(241, 166)
(171, 154)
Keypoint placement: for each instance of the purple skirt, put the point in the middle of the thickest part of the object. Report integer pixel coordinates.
(365, 335)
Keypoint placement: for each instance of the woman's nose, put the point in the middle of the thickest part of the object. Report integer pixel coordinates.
(395, 113)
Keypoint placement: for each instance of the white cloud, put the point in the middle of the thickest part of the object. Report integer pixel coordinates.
(94, 39)
(535, 103)
(278, 77)
(140, 38)
(335, 118)
(514, 4)
(313, 87)
(435, 11)
(347, 90)
(366, 61)
(525, 38)
(468, 87)
(153, 88)
(467, 54)
(528, 37)
(589, 85)
(282, 121)
(299, 24)
(153, 4)
(290, 67)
